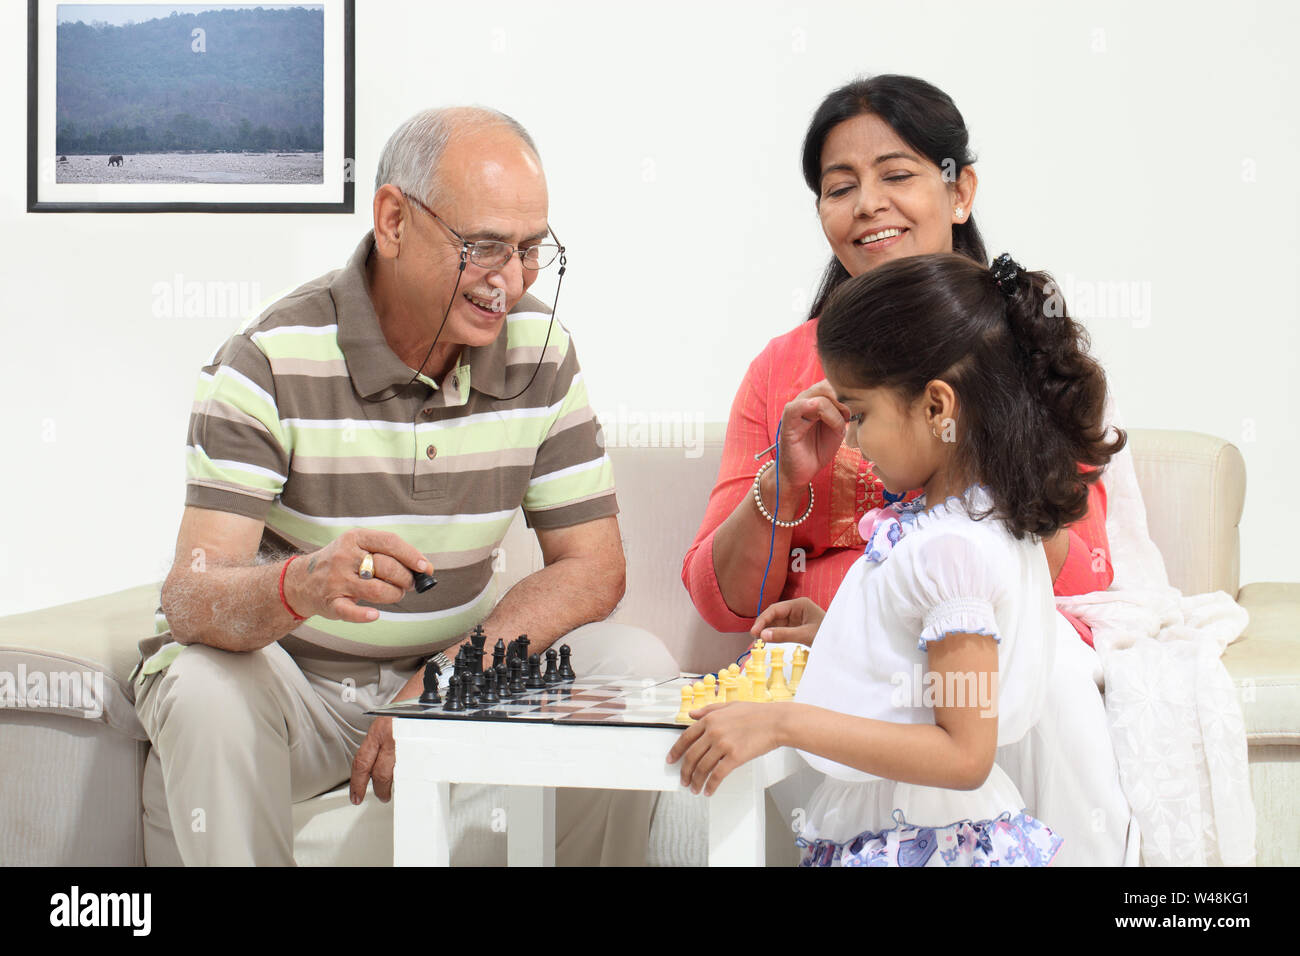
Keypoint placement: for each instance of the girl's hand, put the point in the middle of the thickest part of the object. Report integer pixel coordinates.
(793, 621)
(723, 737)
(812, 428)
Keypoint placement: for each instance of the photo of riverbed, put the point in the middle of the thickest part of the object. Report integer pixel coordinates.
(157, 105)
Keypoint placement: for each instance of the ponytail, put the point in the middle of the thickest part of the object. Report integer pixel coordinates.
(1067, 387)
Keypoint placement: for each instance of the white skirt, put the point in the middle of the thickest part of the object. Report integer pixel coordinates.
(838, 810)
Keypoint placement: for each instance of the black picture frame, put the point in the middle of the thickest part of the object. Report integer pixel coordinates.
(36, 97)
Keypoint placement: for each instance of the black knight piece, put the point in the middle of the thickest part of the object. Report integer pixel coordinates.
(430, 695)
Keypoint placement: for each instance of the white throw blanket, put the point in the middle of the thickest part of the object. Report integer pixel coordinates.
(1175, 718)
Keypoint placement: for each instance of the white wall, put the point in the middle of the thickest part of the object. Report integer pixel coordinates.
(1115, 143)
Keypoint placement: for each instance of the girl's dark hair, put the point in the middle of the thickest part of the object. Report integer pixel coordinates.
(1030, 399)
(924, 117)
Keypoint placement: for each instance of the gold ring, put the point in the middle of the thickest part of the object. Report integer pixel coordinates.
(367, 570)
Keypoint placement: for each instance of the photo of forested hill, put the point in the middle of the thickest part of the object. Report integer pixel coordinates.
(209, 81)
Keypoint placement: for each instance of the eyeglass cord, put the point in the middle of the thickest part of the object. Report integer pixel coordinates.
(464, 258)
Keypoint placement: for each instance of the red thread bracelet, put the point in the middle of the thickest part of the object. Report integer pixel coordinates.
(283, 571)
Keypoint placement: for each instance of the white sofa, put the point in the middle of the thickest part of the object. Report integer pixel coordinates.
(70, 793)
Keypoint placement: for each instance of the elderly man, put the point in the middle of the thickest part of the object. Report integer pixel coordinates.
(385, 420)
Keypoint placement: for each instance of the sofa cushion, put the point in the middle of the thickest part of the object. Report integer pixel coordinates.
(1265, 663)
(46, 655)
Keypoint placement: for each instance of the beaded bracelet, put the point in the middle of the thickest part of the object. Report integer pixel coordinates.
(283, 571)
(762, 509)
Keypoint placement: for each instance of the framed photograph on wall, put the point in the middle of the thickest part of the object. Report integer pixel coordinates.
(190, 107)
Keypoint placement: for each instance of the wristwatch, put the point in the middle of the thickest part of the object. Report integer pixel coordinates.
(443, 664)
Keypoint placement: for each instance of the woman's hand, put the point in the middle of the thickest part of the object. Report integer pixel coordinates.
(723, 737)
(812, 428)
(794, 621)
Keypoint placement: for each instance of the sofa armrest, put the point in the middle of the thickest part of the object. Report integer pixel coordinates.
(96, 636)
(1194, 489)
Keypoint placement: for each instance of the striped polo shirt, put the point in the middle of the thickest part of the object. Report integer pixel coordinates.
(305, 421)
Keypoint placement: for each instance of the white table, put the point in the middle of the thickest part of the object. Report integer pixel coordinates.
(532, 759)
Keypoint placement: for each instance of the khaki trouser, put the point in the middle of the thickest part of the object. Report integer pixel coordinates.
(238, 738)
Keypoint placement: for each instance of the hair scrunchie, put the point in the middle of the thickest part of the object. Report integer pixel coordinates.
(1005, 272)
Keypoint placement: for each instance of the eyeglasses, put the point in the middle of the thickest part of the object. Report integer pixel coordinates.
(493, 253)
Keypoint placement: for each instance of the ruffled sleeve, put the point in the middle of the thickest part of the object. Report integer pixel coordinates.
(949, 584)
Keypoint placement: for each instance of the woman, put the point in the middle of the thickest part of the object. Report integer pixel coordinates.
(889, 161)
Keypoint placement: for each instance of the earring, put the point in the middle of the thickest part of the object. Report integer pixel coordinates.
(933, 432)
(959, 213)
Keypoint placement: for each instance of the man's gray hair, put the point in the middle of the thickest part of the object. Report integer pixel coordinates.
(411, 156)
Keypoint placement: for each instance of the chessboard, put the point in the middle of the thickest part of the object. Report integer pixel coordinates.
(608, 701)
(514, 688)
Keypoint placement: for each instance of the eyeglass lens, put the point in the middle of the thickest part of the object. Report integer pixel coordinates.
(492, 254)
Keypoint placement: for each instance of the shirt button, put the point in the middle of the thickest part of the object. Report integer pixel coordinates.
(432, 451)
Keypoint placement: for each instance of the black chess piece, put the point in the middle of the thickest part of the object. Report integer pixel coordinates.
(468, 694)
(490, 695)
(552, 675)
(423, 581)
(535, 681)
(566, 664)
(461, 664)
(499, 653)
(453, 695)
(522, 642)
(470, 664)
(503, 682)
(478, 638)
(430, 695)
(516, 683)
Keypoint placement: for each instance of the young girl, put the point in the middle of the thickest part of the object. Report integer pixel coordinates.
(976, 386)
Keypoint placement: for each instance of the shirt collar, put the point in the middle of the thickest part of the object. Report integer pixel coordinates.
(373, 365)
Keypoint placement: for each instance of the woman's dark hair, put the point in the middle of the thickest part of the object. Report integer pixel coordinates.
(1030, 399)
(924, 117)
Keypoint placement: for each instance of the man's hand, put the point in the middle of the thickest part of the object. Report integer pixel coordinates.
(793, 621)
(723, 737)
(374, 762)
(328, 582)
(217, 594)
